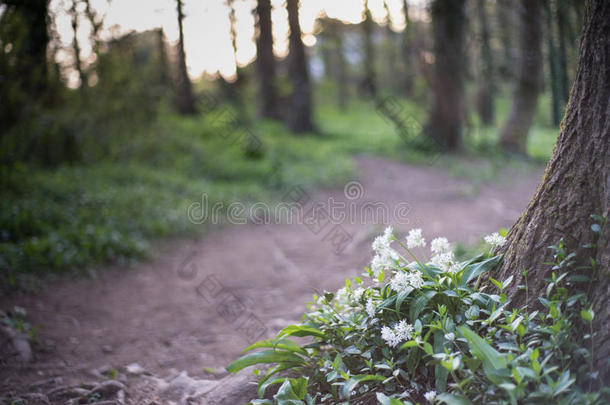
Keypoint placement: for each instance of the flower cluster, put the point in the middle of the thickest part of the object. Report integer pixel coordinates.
(401, 332)
(495, 239)
(385, 256)
(402, 280)
(415, 239)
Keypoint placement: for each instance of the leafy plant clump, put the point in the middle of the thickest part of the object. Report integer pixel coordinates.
(433, 332)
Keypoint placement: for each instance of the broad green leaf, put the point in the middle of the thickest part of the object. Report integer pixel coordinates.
(440, 372)
(284, 344)
(265, 356)
(301, 330)
(474, 270)
(481, 349)
(453, 399)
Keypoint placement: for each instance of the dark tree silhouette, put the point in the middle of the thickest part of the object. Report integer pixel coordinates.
(265, 62)
(447, 111)
(576, 184)
(184, 100)
(553, 63)
(485, 93)
(407, 51)
(78, 64)
(369, 80)
(525, 97)
(300, 114)
(24, 26)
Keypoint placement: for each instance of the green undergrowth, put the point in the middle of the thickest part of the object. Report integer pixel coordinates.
(439, 331)
(73, 217)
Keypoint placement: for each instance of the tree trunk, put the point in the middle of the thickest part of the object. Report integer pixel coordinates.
(369, 81)
(76, 48)
(553, 66)
(265, 62)
(576, 184)
(447, 112)
(525, 98)
(407, 51)
(341, 66)
(563, 23)
(300, 119)
(185, 101)
(505, 18)
(485, 93)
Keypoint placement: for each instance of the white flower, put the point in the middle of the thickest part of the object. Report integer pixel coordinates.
(430, 396)
(445, 262)
(394, 336)
(403, 330)
(401, 281)
(415, 239)
(370, 308)
(389, 336)
(495, 239)
(383, 242)
(440, 245)
(357, 294)
(416, 280)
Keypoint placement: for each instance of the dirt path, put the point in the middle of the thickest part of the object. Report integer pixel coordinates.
(200, 302)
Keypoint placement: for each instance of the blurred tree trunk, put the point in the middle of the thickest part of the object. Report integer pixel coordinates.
(389, 48)
(575, 185)
(407, 51)
(341, 68)
(553, 65)
(78, 65)
(32, 57)
(233, 34)
(485, 93)
(369, 81)
(505, 18)
(300, 119)
(185, 99)
(563, 22)
(447, 113)
(525, 97)
(265, 62)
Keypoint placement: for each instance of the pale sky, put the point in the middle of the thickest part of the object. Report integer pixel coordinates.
(206, 26)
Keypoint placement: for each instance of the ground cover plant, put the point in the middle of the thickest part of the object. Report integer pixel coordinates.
(437, 331)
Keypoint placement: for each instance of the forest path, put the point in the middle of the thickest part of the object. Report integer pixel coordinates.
(200, 302)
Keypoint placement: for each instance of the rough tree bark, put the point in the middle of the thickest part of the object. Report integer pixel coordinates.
(576, 183)
(525, 98)
(300, 114)
(485, 93)
(447, 112)
(265, 62)
(185, 100)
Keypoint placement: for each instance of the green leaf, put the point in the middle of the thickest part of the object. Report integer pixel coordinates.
(265, 356)
(481, 349)
(284, 344)
(474, 270)
(440, 373)
(453, 399)
(401, 296)
(419, 304)
(385, 400)
(301, 330)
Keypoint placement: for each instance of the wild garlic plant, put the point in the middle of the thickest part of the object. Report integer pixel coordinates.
(424, 331)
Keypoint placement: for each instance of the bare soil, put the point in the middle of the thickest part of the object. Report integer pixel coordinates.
(199, 302)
